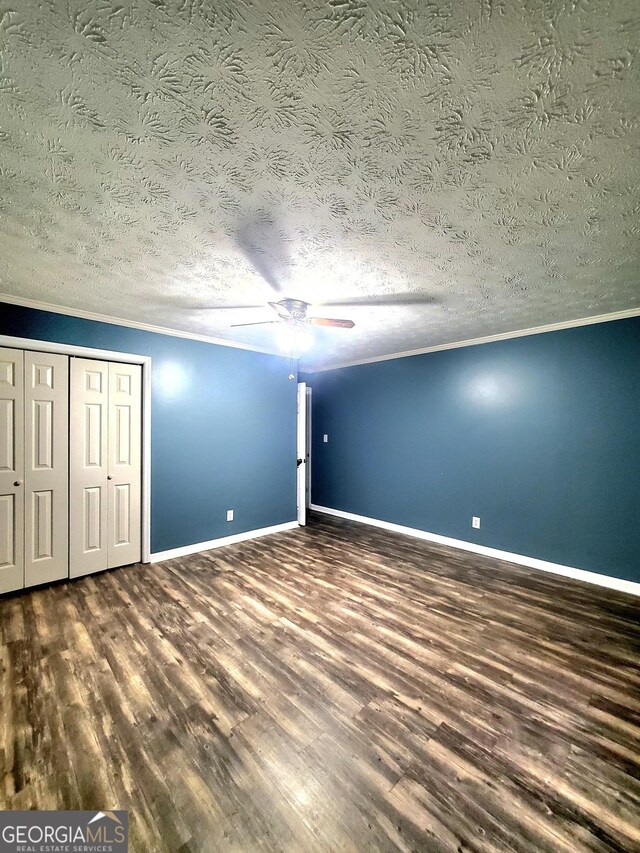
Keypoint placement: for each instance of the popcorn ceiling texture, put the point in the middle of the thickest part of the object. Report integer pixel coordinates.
(159, 156)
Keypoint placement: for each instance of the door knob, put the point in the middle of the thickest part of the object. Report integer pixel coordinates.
(109, 477)
(18, 483)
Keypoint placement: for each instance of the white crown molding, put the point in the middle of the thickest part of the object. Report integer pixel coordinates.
(176, 333)
(618, 584)
(503, 336)
(131, 324)
(220, 543)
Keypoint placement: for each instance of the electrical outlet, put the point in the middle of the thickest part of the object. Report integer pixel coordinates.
(475, 521)
(325, 438)
(229, 515)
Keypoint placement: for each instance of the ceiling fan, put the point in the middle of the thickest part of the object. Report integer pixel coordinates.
(293, 320)
(294, 313)
(261, 231)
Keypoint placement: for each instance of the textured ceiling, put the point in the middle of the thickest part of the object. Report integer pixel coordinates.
(158, 156)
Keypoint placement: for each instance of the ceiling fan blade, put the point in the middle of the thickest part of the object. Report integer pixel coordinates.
(281, 310)
(223, 307)
(220, 307)
(337, 324)
(259, 323)
(185, 302)
(386, 299)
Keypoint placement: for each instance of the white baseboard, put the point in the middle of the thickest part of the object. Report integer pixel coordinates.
(532, 562)
(220, 543)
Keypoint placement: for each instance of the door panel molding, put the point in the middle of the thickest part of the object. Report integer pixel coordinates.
(43, 526)
(10, 568)
(93, 501)
(7, 442)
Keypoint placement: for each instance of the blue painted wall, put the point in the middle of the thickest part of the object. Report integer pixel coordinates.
(539, 436)
(223, 431)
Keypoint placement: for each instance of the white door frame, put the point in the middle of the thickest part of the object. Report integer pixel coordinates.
(301, 453)
(127, 358)
(309, 417)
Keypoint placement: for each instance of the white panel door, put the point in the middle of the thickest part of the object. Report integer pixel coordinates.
(46, 417)
(88, 466)
(124, 461)
(301, 461)
(11, 469)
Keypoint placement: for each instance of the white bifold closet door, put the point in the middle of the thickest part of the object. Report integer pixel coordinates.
(105, 465)
(34, 395)
(11, 469)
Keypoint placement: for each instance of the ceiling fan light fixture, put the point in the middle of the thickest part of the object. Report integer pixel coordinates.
(294, 338)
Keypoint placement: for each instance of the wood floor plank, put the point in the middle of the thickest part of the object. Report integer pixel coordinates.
(332, 688)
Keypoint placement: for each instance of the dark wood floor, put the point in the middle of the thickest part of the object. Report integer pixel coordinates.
(332, 688)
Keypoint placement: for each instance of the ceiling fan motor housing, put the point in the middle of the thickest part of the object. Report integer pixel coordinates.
(296, 307)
